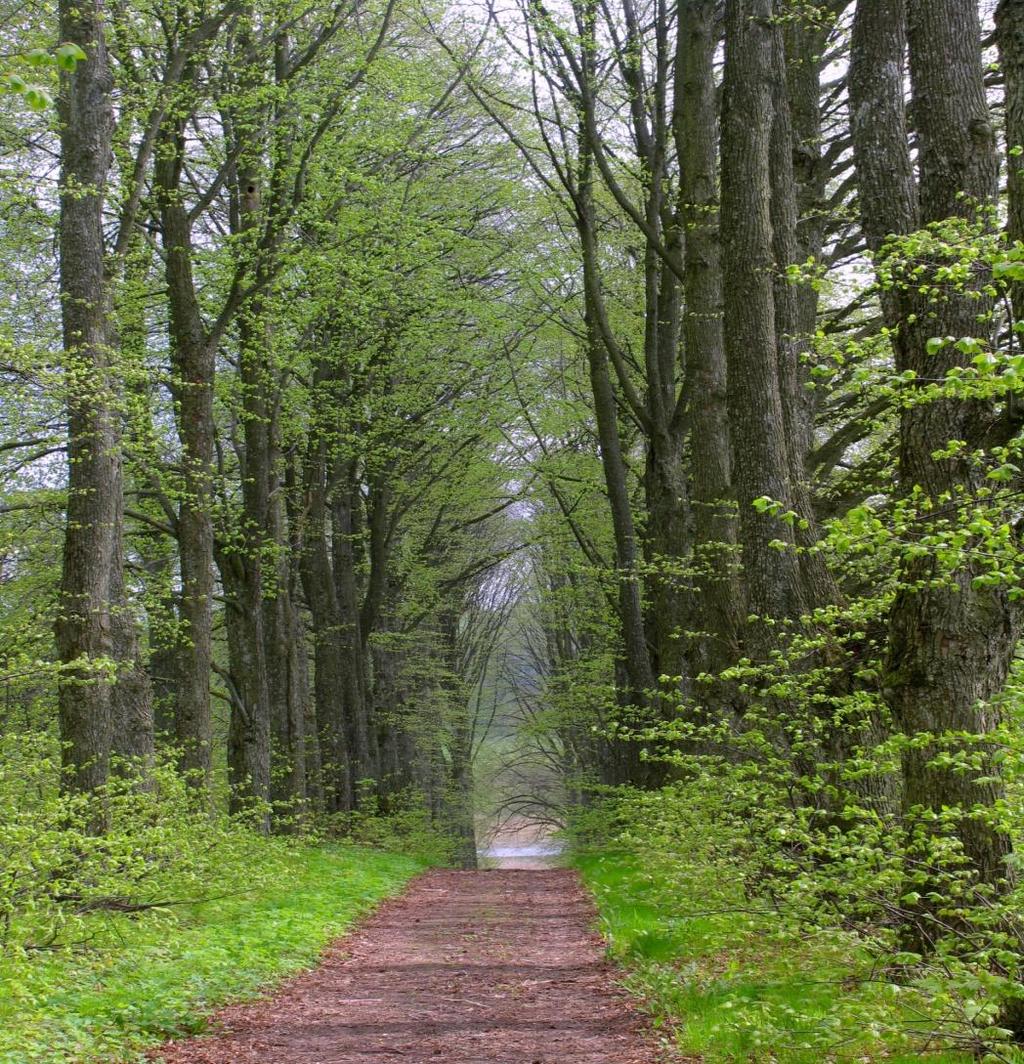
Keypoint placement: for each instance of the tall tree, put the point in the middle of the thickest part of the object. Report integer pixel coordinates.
(720, 605)
(951, 639)
(761, 461)
(92, 557)
(1010, 29)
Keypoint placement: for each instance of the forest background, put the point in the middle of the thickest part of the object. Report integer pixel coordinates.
(613, 407)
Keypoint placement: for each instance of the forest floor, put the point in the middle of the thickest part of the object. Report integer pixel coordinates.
(491, 967)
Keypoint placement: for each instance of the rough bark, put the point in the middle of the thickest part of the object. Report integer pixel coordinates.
(131, 696)
(719, 608)
(192, 360)
(329, 655)
(1010, 30)
(241, 562)
(458, 801)
(165, 652)
(248, 753)
(94, 507)
(362, 739)
(637, 658)
(795, 318)
(288, 680)
(760, 457)
(950, 644)
(878, 121)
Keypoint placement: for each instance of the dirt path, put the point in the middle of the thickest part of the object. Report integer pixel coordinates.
(496, 967)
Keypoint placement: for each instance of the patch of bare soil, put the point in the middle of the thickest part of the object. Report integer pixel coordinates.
(494, 967)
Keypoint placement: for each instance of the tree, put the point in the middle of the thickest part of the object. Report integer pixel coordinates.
(951, 638)
(92, 558)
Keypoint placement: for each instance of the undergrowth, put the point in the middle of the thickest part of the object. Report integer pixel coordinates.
(158, 976)
(727, 976)
(112, 942)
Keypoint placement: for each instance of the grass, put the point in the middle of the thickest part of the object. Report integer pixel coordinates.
(734, 986)
(143, 980)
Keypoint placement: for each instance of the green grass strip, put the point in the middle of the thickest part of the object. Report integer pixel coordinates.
(734, 986)
(139, 981)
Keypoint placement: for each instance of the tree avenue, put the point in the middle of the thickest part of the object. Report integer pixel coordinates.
(605, 411)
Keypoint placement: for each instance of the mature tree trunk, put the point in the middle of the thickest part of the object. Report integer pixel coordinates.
(131, 695)
(288, 680)
(668, 535)
(166, 654)
(460, 793)
(950, 646)
(641, 681)
(1010, 29)
(950, 643)
(166, 661)
(795, 323)
(329, 654)
(878, 123)
(94, 509)
(294, 722)
(241, 560)
(248, 746)
(362, 739)
(248, 753)
(667, 532)
(761, 465)
(720, 605)
(192, 359)
(458, 803)
(637, 660)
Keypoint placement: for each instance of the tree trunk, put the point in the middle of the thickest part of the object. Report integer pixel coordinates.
(248, 752)
(637, 657)
(459, 790)
(795, 324)
(192, 359)
(950, 643)
(720, 604)
(329, 655)
(284, 640)
(362, 740)
(131, 696)
(1010, 29)
(950, 646)
(760, 458)
(94, 509)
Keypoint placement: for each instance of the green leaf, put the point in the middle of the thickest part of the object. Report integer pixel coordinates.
(1007, 471)
(69, 56)
(1009, 271)
(38, 99)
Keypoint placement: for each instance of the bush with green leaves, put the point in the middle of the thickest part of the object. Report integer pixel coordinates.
(112, 941)
(790, 801)
(733, 944)
(405, 826)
